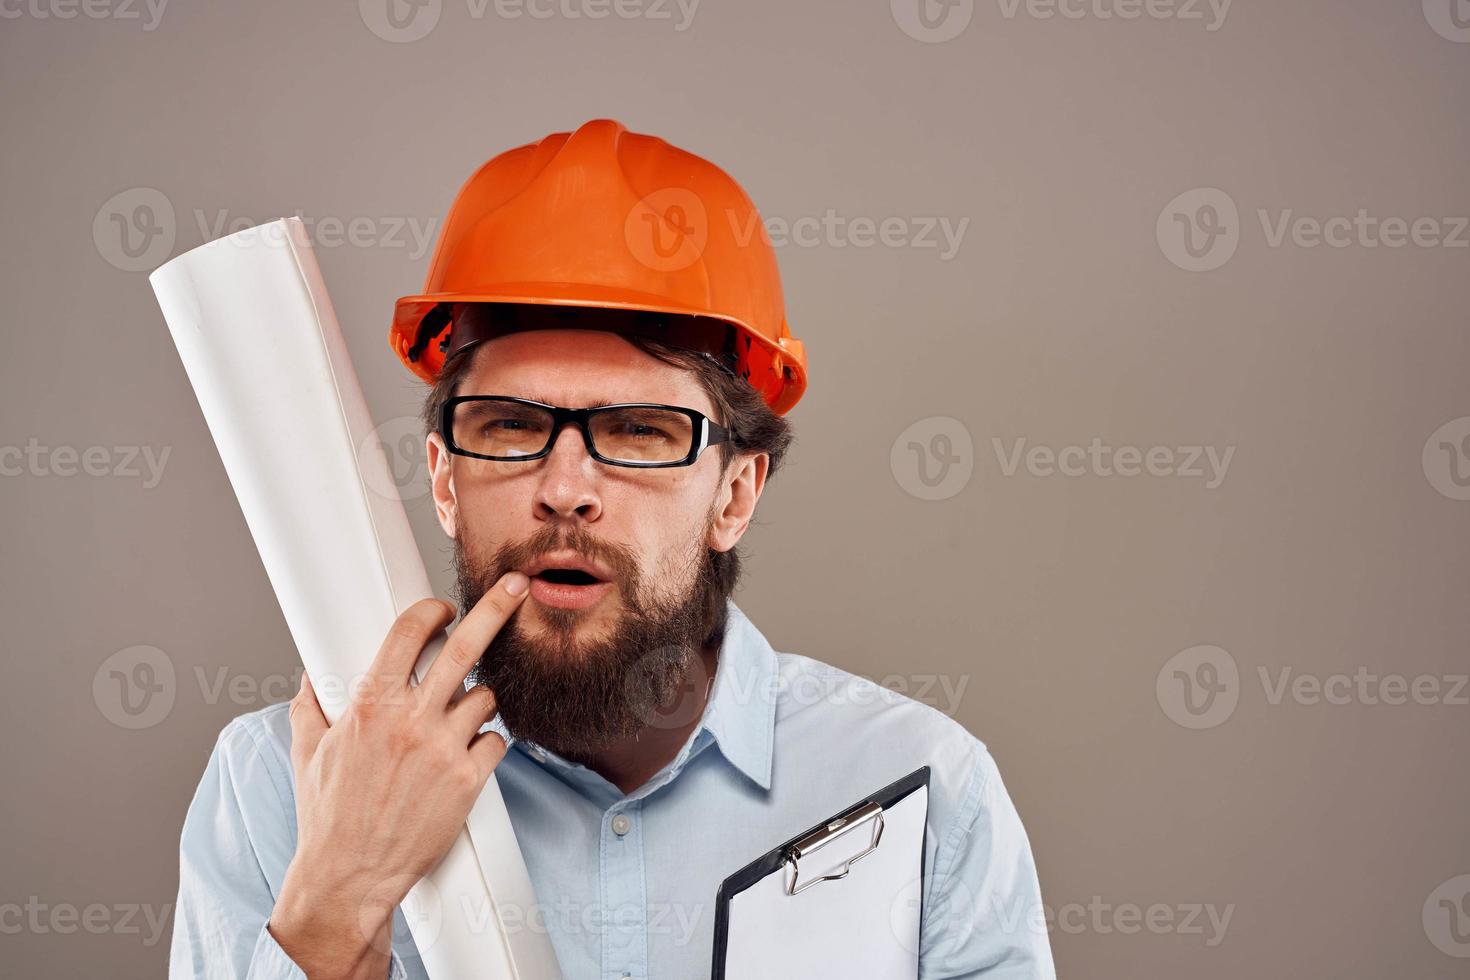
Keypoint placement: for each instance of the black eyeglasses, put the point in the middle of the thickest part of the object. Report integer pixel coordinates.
(497, 427)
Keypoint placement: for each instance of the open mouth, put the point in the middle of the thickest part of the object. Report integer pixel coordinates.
(568, 588)
(567, 576)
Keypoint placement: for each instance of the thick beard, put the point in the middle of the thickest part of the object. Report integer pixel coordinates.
(575, 695)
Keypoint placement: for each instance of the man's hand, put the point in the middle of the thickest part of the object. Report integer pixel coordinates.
(382, 794)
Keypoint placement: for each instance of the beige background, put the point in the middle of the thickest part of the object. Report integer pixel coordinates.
(1050, 605)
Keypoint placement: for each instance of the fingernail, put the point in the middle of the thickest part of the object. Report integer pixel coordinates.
(516, 583)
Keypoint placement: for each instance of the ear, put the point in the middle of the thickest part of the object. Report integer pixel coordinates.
(441, 479)
(740, 489)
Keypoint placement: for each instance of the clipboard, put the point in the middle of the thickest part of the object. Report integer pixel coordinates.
(843, 898)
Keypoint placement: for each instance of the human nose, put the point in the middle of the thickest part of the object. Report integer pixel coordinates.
(568, 481)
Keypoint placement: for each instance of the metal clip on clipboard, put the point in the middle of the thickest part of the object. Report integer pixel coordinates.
(847, 823)
(853, 929)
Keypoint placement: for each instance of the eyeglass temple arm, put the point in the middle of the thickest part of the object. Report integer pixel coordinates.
(713, 435)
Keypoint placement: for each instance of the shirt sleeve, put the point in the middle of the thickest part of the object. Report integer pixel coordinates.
(983, 917)
(238, 839)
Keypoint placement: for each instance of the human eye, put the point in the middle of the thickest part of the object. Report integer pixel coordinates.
(501, 417)
(644, 434)
(499, 428)
(643, 430)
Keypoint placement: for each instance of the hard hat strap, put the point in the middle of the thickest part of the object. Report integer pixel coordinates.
(429, 327)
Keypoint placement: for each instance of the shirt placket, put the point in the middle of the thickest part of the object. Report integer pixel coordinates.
(624, 893)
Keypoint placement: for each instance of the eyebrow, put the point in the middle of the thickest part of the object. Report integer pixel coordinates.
(595, 403)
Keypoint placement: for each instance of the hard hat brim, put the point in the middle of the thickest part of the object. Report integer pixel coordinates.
(781, 366)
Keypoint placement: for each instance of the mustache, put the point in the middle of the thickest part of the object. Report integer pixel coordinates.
(619, 560)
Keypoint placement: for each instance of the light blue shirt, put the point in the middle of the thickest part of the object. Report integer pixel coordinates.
(627, 883)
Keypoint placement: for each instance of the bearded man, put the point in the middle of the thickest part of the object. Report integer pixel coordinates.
(610, 369)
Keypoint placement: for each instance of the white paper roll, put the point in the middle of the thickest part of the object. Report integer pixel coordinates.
(255, 329)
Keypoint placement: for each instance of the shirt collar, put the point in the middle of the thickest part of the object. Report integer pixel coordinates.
(740, 716)
(741, 713)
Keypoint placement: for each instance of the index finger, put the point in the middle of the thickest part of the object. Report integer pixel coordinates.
(474, 633)
(406, 639)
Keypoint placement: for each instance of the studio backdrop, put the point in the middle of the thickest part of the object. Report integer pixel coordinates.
(1137, 437)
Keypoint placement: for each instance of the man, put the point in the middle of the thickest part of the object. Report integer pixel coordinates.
(610, 366)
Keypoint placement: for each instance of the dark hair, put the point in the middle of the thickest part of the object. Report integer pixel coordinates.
(754, 428)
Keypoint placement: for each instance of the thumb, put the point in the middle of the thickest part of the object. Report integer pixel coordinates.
(308, 724)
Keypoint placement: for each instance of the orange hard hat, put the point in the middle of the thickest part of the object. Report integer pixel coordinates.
(604, 218)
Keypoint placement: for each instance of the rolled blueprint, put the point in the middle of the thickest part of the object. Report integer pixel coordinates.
(250, 316)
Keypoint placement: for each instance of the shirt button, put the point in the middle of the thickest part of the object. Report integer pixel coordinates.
(621, 825)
